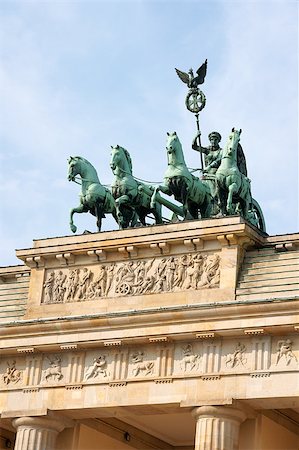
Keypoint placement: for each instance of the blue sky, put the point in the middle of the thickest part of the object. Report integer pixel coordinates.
(77, 77)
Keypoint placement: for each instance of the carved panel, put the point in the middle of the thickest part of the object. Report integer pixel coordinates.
(97, 366)
(237, 358)
(140, 364)
(52, 370)
(140, 277)
(211, 360)
(33, 370)
(261, 353)
(285, 353)
(190, 360)
(120, 363)
(207, 359)
(75, 368)
(12, 374)
(165, 361)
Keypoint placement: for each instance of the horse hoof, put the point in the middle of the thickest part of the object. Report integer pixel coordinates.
(73, 228)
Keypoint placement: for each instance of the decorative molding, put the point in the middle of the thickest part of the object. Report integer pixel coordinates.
(163, 380)
(26, 350)
(97, 255)
(30, 390)
(205, 335)
(74, 387)
(68, 347)
(210, 377)
(154, 340)
(129, 251)
(260, 375)
(115, 343)
(162, 248)
(117, 383)
(254, 331)
(116, 365)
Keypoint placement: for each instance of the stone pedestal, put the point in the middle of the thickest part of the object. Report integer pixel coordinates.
(36, 433)
(217, 427)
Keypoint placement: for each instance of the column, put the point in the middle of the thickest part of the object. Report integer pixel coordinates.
(36, 433)
(217, 427)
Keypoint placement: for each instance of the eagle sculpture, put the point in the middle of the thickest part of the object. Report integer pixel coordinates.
(189, 79)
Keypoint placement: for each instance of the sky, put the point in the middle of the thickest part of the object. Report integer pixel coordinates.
(79, 76)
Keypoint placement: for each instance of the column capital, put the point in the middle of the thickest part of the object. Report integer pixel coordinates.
(220, 412)
(37, 432)
(45, 422)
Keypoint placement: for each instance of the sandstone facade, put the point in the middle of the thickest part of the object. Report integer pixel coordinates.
(176, 336)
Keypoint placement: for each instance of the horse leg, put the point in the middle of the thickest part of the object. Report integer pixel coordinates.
(80, 209)
(193, 209)
(123, 219)
(158, 213)
(163, 188)
(205, 209)
(232, 189)
(98, 212)
(184, 194)
(114, 215)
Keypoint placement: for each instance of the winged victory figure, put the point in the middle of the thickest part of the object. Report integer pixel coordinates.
(189, 79)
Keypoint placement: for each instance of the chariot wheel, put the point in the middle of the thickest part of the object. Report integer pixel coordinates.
(195, 100)
(124, 288)
(257, 217)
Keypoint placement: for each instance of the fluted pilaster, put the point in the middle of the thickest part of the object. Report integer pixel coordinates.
(36, 433)
(217, 427)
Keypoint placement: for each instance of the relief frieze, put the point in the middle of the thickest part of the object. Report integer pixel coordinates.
(139, 277)
(208, 360)
(12, 375)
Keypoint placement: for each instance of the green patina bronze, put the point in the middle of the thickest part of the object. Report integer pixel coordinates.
(94, 198)
(132, 197)
(233, 188)
(182, 184)
(223, 189)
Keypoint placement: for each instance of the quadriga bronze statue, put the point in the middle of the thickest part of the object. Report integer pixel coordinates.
(95, 198)
(132, 197)
(186, 188)
(233, 188)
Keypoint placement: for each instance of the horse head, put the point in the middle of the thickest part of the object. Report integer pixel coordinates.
(74, 167)
(174, 150)
(232, 143)
(120, 160)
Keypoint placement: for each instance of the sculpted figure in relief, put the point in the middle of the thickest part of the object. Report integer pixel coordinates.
(110, 274)
(140, 365)
(211, 272)
(190, 360)
(98, 366)
(284, 349)
(192, 271)
(170, 273)
(12, 375)
(84, 283)
(72, 284)
(237, 358)
(59, 287)
(48, 287)
(182, 263)
(54, 371)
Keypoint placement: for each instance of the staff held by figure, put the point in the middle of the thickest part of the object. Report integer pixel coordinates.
(195, 99)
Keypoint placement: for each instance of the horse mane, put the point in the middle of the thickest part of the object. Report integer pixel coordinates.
(241, 160)
(128, 157)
